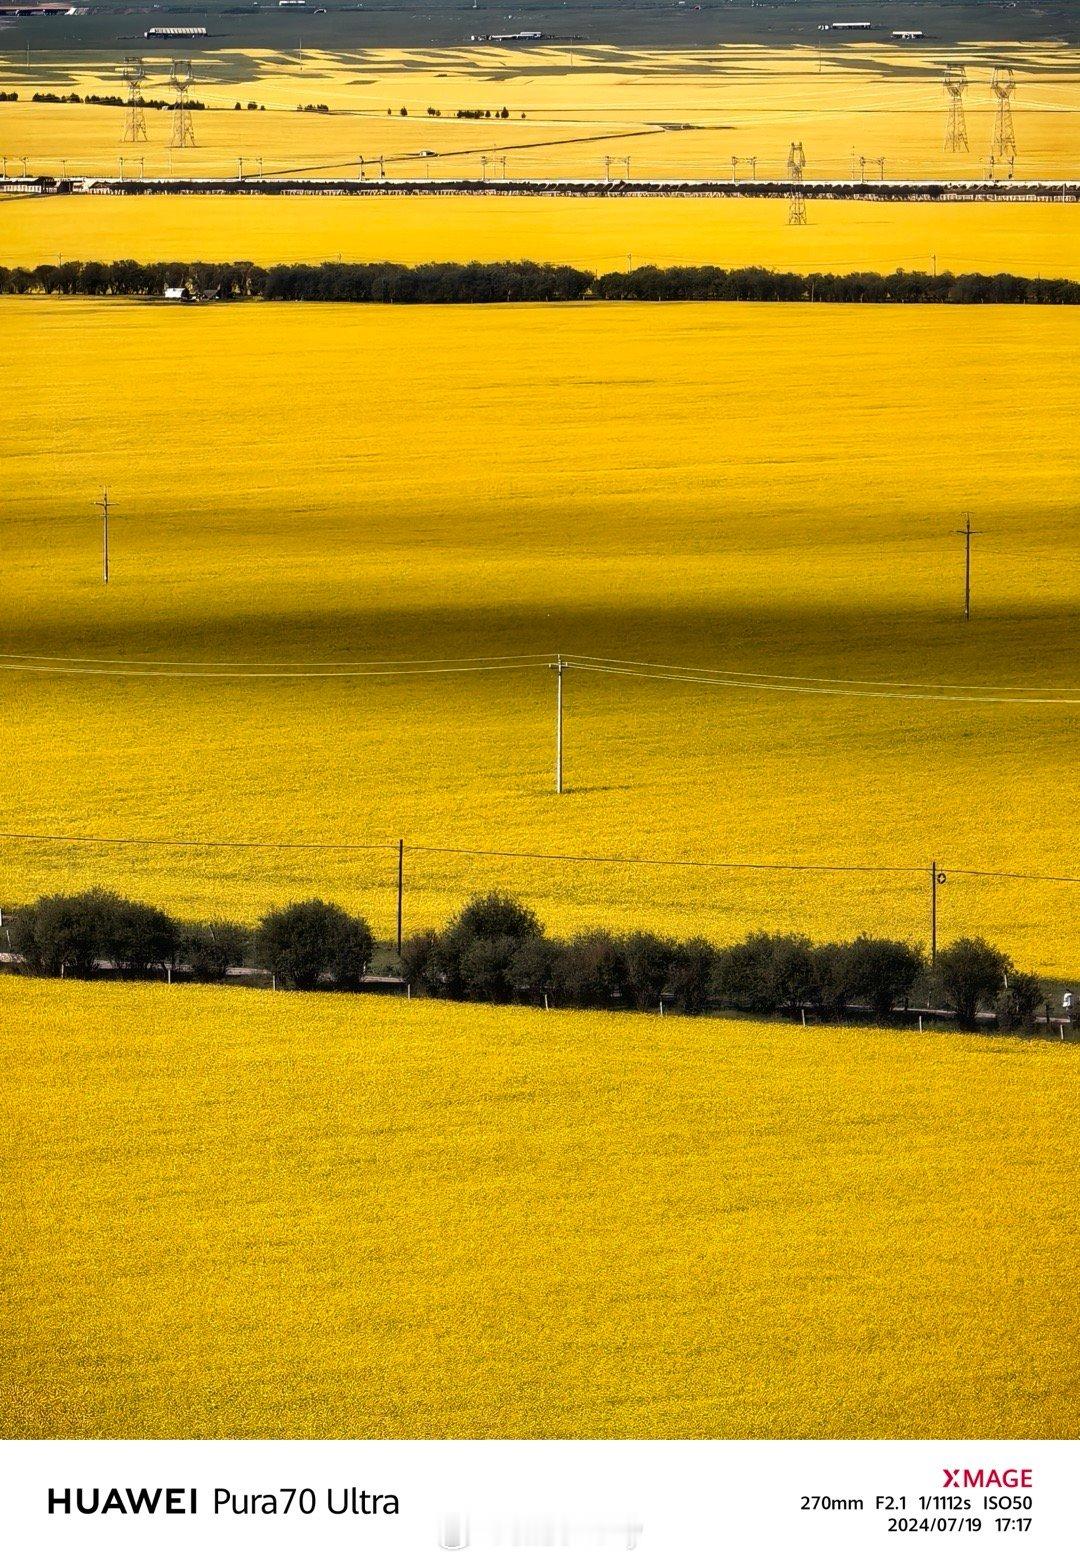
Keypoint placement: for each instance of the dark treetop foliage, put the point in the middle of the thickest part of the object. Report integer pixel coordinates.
(305, 941)
(495, 950)
(522, 281)
(68, 933)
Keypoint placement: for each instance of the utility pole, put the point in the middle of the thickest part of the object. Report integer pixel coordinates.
(103, 505)
(967, 534)
(400, 890)
(933, 912)
(558, 666)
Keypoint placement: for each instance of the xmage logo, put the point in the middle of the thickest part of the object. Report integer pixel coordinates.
(988, 1479)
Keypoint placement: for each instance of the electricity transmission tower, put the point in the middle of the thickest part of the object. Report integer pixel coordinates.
(610, 162)
(492, 167)
(955, 83)
(133, 72)
(738, 162)
(183, 131)
(796, 166)
(1003, 145)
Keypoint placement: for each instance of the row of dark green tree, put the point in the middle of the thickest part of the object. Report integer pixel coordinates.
(79, 934)
(522, 281)
(108, 100)
(495, 950)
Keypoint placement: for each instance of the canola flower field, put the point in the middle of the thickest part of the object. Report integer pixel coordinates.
(676, 113)
(299, 491)
(597, 233)
(258, 1215)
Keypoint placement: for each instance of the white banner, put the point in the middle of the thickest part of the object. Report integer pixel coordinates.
(674, 1500)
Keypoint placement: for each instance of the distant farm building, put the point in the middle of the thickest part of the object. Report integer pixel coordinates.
(906, 34)
(175, 32)
(506, 38)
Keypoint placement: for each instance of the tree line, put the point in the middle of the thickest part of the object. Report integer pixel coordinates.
(107, 100)
(522, 281)
(496, 951)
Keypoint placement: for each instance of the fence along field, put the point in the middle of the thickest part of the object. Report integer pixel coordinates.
(773, 488)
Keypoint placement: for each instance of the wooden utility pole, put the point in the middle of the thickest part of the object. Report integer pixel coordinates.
(933, 912)
(967, 534)
(103, 505)
(400, 890)
(558, 666)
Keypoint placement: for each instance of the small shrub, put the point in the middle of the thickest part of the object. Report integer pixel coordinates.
(304, 941)
(1020, 1002)
(969, 974)
(136, 937)
(59, 933)
(70, 933)
(883, 972)
(211, 949)
(590, 970)
(421, 963)
(479, 946)
(482, 968)
(768, 972)
(646, 964)
(692, 975)
(532, 967)
(834, 977)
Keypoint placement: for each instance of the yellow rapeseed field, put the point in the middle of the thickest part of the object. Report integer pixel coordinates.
(677, 113)
(598, 233)
(240, 1214)
(768, 488)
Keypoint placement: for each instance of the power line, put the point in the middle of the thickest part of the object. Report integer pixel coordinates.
(791, 688)
(405, 672)
(203, 845)
(990, 872)
(661, 861)
(787, 677)
(529, 856)
(400, 661)
(674, 672)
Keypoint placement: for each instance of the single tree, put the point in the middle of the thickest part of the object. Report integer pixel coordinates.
(970, 974)
(307, 940)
